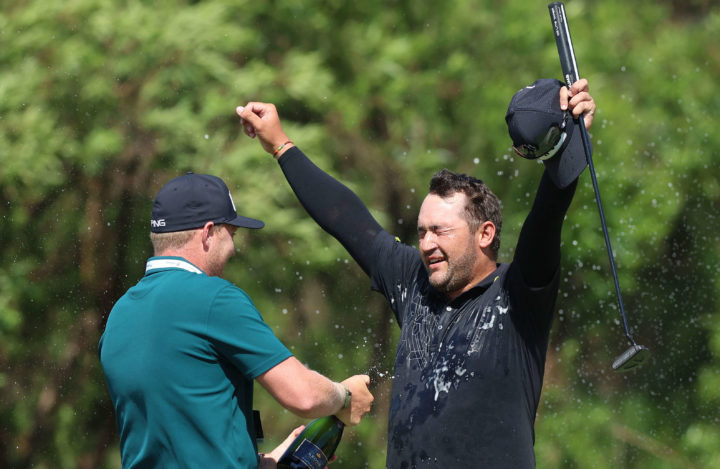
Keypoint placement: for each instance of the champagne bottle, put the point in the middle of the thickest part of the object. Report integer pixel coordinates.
(313, 447)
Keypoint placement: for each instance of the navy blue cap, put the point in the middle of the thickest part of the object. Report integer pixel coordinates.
(189, 201)
(532, 111)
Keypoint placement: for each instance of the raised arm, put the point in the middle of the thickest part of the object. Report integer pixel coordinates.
(538, 249)
(331, 204)
(309, 394)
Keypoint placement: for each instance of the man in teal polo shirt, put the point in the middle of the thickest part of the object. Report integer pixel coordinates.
(182, 348)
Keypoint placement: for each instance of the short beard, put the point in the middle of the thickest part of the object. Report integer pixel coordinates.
(458, 274)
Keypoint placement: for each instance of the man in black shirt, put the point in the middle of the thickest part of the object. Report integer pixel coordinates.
(474, 332)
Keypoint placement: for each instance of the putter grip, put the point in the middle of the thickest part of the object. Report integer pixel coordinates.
(564, 42)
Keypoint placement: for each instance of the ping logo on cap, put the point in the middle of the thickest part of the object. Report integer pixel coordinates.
(232, 201)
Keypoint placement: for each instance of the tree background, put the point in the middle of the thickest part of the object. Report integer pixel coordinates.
(102, 102)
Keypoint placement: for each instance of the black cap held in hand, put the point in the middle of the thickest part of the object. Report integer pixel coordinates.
(189, 201)
(535, 109)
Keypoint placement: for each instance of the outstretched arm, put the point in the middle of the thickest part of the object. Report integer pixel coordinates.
(309, 394)
(331, 204)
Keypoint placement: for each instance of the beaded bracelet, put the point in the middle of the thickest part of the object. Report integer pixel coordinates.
(281, 147)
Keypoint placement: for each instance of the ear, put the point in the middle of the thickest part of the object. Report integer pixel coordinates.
(206, 235)
(485, 234)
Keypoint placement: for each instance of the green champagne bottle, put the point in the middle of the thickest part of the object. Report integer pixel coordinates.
(313, 447)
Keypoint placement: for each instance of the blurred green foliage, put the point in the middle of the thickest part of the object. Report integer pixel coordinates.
(102, 102)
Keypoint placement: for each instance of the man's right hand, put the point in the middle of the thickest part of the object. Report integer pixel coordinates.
(262, 120)
(361, 401)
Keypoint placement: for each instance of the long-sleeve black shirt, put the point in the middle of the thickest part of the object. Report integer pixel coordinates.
(468, 372)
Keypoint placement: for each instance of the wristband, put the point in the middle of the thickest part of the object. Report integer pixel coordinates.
(348, 396)
(281, 147)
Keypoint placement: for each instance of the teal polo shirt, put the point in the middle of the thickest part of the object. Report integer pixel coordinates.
(180, 353)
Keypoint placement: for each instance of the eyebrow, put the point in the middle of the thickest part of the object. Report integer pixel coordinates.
(436, 227)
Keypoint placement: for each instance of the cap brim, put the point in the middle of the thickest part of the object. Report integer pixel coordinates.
(566, 166)
(245, 222)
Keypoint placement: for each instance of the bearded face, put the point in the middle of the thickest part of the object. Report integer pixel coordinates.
(447, 245)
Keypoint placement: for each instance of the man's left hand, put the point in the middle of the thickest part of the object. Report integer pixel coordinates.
(578, 100)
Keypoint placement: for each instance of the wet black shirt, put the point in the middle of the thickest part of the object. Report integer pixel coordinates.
(468, 372)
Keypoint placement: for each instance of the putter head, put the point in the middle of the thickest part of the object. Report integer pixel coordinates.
(631, 358)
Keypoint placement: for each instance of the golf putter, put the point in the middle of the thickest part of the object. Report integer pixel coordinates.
(636, 354)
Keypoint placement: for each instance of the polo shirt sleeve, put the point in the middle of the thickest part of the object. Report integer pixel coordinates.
(238, 332)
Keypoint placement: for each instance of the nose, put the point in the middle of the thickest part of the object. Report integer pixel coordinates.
(428, 241)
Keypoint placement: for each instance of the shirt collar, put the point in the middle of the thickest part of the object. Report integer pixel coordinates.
(480, 288)
(155, 264)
